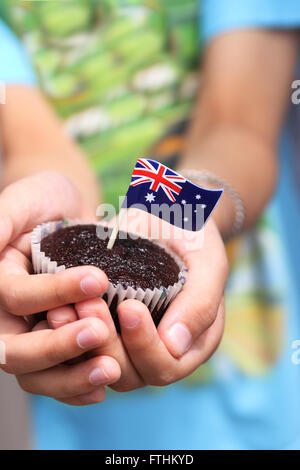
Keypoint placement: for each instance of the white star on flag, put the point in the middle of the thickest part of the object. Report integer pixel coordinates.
(198, 196)
(150, 197)
(183, 201)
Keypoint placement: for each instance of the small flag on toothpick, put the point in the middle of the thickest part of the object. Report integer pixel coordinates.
(154, 184)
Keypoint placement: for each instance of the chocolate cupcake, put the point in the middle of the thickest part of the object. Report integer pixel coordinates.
(136, 268)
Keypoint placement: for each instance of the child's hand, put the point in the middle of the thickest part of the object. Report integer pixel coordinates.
(188, 333)
(36, 357)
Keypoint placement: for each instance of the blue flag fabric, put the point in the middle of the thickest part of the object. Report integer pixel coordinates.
(163, 192)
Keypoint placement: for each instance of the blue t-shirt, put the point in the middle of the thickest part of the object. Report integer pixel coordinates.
(15, 67)
(242, 407)
(219, 16)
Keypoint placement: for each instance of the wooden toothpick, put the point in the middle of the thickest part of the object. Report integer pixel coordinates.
(115, 231)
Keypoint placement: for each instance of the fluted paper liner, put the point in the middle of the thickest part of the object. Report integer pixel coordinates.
(155, 299)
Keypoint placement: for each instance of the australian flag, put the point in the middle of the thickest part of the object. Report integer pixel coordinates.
(166, 194)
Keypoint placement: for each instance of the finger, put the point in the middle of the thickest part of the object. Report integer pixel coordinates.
(24, 294)
(23, 244)
(195, 308)
(114, 346)
(61, 316)
(42, 325)
(97, 308)
(97, 396)
(13, 325)
(206, 344)
(63, 381)
(38, 350)
(148, 353)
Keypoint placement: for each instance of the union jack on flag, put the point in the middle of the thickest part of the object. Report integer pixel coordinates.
(159, 175)
(154, 185)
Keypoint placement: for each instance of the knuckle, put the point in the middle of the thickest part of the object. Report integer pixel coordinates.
(143, 344)
(123, 387)
(208, 312)
(10, 300)
(201, 316)
(54, 348)
(67, 389)
(133, 386)
(59, 292)
(163, 379)
(125, 384)
(24, 384)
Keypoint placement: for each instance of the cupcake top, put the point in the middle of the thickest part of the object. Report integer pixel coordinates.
(135, 263)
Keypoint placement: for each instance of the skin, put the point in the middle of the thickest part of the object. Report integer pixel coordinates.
(233, 134)
(42, 144)
(239, 113)
(150, 356)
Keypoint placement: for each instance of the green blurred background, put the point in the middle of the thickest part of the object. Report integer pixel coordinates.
(118, 72)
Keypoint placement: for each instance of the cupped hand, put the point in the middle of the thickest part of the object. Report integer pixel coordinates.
(190, 329)
(36, 357)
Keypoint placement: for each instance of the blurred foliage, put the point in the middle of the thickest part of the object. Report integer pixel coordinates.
(119, 72)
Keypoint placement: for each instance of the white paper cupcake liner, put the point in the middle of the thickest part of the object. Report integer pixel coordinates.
(155, 299)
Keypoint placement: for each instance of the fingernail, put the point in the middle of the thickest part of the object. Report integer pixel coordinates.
(180, 338)
(98, 376)
(130, 320)
(91, 286)
(57, 324)
(87, 339)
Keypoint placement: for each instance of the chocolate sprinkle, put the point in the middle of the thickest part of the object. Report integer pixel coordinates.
(136, 263)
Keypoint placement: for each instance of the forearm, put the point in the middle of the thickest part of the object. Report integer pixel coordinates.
(239, 114)
(33, 140)
(66, 161)
(240, 157)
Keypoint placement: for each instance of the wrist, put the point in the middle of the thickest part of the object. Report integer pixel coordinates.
(224, 216)
(229, 212)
